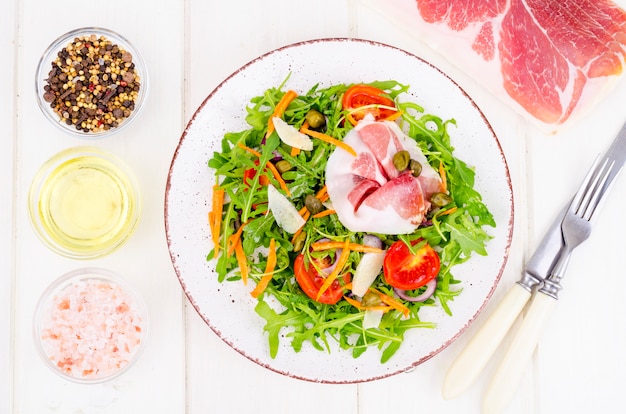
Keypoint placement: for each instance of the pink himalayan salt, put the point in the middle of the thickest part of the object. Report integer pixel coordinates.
(92, 330)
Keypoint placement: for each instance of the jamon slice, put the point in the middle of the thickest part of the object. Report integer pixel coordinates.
(551, 53)
(536, 75)
(548, 54)
(366, 165)
(362, 189)
(367, 192)
(460, 14)
(484, 44)
(405, 195)
(382, 144)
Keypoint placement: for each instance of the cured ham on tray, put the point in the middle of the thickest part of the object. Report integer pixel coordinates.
(550, 61)
(551, 54)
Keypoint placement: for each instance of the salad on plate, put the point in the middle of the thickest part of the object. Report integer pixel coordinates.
(344, 210)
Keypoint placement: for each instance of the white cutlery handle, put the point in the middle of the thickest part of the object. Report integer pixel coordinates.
(508, 376)
(471, 361)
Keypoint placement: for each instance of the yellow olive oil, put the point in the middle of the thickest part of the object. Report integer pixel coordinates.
(87, 205)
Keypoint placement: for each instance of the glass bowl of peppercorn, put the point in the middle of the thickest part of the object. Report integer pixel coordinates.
(91, 82)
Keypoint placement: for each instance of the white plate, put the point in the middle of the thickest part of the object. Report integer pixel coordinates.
(228, 308)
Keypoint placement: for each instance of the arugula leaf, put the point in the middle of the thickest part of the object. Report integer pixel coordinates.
(276, 322)
(469, 236)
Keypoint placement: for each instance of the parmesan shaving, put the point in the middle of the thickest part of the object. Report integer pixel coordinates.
(291, 136)
(285, 214)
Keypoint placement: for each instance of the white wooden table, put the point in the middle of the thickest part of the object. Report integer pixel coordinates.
(190, 46)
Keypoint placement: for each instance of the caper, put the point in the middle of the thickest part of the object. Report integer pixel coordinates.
(415, 167)
(440, 199)
(298, 243)
(315, 119)
(283, 166)
(371, 299)
(401, 160)
(313, 204)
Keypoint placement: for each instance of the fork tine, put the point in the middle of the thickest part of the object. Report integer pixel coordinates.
(595, 190)
(583, 190)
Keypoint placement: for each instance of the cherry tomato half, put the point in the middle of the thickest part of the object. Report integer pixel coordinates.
(359, 95)
(405, 270)
(248, 176)
(311, 281)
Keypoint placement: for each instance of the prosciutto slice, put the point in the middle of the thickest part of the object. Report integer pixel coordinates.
(549, 52)
(368, 192)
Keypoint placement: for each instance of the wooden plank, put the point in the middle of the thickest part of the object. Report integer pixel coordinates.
(156, 383)
(8, 42)
(217, 49)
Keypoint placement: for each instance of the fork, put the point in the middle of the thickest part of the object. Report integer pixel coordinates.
(575, 228)
(576, 225)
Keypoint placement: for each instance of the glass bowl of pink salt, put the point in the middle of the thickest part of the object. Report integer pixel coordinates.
(90, 325)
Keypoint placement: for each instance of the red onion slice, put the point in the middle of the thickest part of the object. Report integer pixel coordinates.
(430, 289)
(328, 270)
(372, 241)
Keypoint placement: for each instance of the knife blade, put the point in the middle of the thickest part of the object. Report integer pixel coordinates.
(473, 358)
(509, 373)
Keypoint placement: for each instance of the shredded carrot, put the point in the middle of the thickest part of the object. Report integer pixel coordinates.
(394, 116)
(324, 213)
(446, 212)
(295, 151)
(341, 262)
(250, 150)
(395, 304)
(355, 247)
(269, 271)
(280, 109)
(330, 140)
(359, 110)
(269, 165)
(215, 217)
(279, 178)
(304, 213)
(444, 180)
(387, 300)
(360, 306)
(351, 119)
(234, 239)
(322, 192)
(242, 262)
(296, 234)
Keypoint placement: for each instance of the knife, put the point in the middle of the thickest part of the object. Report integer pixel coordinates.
(509, 373)
(471, 361)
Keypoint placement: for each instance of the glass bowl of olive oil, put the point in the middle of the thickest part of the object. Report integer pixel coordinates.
(84, 203)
